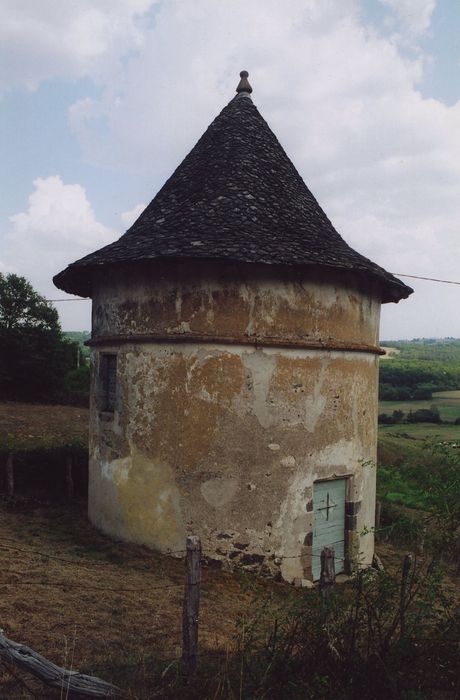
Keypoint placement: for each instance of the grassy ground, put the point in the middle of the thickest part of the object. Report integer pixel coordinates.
(422, 431)
(395, 450)
(27, 426)
(100, 606)
(447, 402)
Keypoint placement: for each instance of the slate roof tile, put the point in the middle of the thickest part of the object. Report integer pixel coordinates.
(236, 197)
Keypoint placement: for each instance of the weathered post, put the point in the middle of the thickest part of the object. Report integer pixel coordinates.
(326, 580)
(407, 563)
(191, 606)
(69, 477)
(10, 475)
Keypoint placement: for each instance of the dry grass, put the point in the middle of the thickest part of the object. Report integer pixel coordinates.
(390, 353)
(28, 426)
(68, 591)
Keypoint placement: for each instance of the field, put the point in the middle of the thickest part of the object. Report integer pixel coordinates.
(28, 426)
(390, 353)
(423, 431)
(447, 402)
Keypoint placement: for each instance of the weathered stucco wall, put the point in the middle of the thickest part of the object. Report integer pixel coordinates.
(225, 439)
(236, 302)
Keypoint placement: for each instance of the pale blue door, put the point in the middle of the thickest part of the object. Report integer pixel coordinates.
(328, 523)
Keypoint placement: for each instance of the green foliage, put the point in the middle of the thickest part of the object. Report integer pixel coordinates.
(429, 349)
(22, 308)
(395, 418)
(420, 368)
(427, 479)
(424, 415)
(421, 415)
(373, 638)
(439, 477)
(34, 357)
(79, 337)
(395, 486)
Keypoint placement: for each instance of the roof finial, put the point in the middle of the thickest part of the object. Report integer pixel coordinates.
(243, 85)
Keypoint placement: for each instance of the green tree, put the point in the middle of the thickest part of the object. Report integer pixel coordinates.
(21, 307)
(34, 357)
(398, 416)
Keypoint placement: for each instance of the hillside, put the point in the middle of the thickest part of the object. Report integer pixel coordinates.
(415, 369)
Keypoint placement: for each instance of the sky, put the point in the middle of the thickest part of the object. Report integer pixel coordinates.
(100, 100)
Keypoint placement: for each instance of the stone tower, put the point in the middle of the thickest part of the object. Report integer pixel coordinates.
(235, 363)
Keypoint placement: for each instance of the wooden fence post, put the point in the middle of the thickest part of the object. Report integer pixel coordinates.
(69, 477)
(326, 580)
(407, 563)
(191, 606)
(10, 475)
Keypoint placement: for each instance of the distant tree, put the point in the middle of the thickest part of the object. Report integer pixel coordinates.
(425, 415)
(422, 393)
(385, 419)
(387, 392)
(34, 358)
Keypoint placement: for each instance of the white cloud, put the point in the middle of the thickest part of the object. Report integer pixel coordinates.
(58, 227)
(415, 15)
(61, 39)
(129, 217)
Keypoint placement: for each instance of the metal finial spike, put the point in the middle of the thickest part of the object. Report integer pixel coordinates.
(243, 85)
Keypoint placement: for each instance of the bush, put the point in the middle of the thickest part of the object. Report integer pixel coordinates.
(357, 641)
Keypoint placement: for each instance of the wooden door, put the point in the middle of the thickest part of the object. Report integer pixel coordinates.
(328, 523)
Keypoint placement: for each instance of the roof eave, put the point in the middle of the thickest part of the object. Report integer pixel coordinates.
(77, 279)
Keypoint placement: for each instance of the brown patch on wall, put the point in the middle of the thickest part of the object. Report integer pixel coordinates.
(232, 300)
(180, 408)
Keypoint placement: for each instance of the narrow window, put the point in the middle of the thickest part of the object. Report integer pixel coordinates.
(109, 382)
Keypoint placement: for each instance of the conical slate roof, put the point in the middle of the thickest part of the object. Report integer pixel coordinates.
(237, 197)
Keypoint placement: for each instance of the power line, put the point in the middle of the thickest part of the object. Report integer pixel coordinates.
(428, 279)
